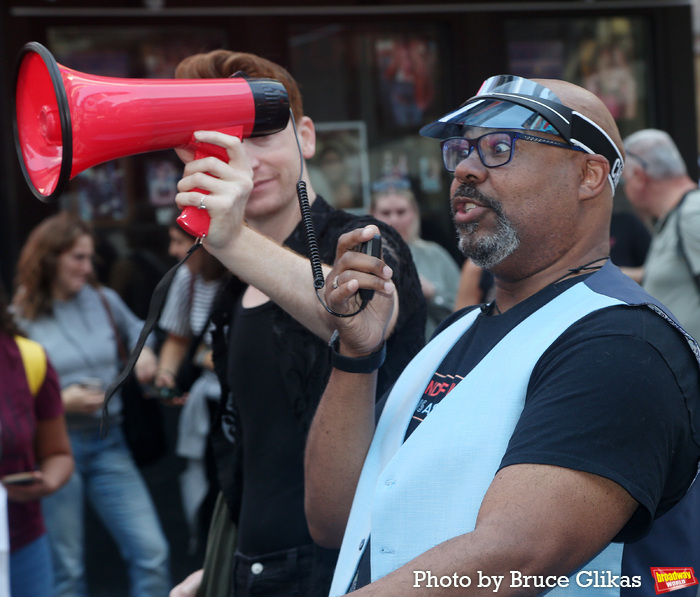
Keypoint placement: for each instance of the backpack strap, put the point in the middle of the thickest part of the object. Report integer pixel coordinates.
(34, 361)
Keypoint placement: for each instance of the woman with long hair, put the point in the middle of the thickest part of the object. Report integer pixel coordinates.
(81, 325)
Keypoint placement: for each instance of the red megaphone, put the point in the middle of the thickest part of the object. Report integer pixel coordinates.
(67, 121)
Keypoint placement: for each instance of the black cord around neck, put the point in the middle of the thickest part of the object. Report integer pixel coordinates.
(492, 308)
(586, 267)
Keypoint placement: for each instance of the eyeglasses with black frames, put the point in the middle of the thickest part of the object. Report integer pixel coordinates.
(494, 149)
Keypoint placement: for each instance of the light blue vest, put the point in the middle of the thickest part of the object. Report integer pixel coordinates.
(416, 494)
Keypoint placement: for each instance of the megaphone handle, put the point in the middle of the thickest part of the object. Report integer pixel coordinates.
(193, 220)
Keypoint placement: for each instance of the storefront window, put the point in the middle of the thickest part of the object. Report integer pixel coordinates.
(608, 56)
(369, 91)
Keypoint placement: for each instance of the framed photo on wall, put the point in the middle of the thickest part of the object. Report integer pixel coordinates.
(339, 171)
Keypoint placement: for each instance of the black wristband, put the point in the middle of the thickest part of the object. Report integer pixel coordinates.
(367, 364)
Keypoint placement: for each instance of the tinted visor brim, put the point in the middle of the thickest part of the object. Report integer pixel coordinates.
(489, 114)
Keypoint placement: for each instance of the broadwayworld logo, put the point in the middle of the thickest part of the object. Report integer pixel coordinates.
(670, 579)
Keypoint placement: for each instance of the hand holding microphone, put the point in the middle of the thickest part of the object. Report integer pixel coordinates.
(355, 273)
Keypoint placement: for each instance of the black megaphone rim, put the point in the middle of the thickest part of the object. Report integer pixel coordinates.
(65, 120)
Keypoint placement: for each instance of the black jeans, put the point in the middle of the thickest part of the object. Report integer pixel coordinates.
(299, 572)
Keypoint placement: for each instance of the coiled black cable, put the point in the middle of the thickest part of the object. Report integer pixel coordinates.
(311, 242)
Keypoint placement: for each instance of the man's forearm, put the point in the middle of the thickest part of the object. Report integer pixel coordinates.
(338, 442)
(456, 567)
(171, 354)
(535, 520)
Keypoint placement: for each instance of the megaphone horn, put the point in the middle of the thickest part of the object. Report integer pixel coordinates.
(67, 121)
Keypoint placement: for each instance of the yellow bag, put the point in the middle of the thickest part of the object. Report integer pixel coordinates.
(34, 361)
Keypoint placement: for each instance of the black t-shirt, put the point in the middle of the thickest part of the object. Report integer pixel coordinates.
(273, 372)
(610, 396)
(615, 395)
(273, 467)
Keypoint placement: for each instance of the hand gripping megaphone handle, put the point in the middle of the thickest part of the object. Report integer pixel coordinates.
(193, 220)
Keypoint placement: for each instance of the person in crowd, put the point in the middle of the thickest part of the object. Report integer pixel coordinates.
(81, 324)
(186, 370)
(533, 437)
(271, 332)
(332, 163)
(395, 204)
(659, 188)
(35, 457)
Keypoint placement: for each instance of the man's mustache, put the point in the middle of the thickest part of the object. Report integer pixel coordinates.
(468, 191)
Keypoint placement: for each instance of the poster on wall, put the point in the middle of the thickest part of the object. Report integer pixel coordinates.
(339, 171)
(407, 71)
(605, 55)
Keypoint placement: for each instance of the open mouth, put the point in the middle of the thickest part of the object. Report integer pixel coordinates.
(465, 209)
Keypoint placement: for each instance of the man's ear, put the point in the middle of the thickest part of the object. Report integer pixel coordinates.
(594, 176)
(307, 137)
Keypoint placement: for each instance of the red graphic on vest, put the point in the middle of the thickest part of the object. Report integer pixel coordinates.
(439, 386)
(670, 579)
